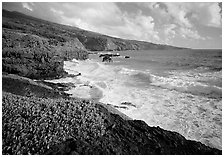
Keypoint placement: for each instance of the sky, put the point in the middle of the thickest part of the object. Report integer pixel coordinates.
(193, 25)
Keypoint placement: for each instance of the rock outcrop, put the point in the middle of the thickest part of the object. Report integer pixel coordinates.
(27, 87)
(36, 48)
(36, 57)
(39, 119)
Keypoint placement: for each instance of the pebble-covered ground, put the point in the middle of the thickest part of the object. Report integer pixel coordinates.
(32, 125)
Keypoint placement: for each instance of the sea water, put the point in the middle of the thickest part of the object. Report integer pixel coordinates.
(178, 90)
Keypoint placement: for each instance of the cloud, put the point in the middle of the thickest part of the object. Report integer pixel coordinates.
(189, 33)
(179, 13)
(188, 14)
(170, 13)
(93, 13)
(157, 22)
(210, 15)
(169, 30)
(141, 26)
(172, 30)
(28, 6)
(106, 18)
(186, 18)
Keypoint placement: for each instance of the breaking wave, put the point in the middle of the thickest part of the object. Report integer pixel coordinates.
(187, 82)
(185, 100)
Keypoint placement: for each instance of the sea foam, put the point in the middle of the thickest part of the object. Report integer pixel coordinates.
(173, 101)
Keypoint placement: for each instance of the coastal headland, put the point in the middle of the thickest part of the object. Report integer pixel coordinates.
(38, 117)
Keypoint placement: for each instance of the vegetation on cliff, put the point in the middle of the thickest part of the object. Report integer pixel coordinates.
(34, 125)
(38, 119)
(36, 48)
(44, 121)
(83, 39)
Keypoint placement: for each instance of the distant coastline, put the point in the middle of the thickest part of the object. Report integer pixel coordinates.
(40, 117)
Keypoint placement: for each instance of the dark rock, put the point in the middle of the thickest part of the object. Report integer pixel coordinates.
(36, 48)
(128, 104)
(126, 56)
(131, 137)
(109, 55)
(59, 86)
(73, 75)
(74, 126)
(25, 87)
(107, 58)
(37, 119)
(123, 107)
(32, 56)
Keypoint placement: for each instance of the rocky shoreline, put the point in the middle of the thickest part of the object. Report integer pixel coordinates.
(39, 118)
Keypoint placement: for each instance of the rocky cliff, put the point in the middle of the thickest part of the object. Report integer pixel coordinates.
(61, 33)
(39, 119)
(36, 48)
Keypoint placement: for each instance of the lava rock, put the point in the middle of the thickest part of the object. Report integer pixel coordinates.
(33, 125)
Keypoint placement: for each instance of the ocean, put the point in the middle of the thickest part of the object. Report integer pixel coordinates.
(178, 90)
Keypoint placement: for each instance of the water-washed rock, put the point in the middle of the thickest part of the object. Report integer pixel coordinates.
(49, 124)
(39, 119)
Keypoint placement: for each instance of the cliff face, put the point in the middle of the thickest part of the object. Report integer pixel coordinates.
(61, 33)
(29, 54)
(36, 48)
(38, 120)
(103, 43)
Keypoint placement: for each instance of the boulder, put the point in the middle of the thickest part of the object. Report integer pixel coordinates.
(107, 58)
(109, 55)
(128, 104)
